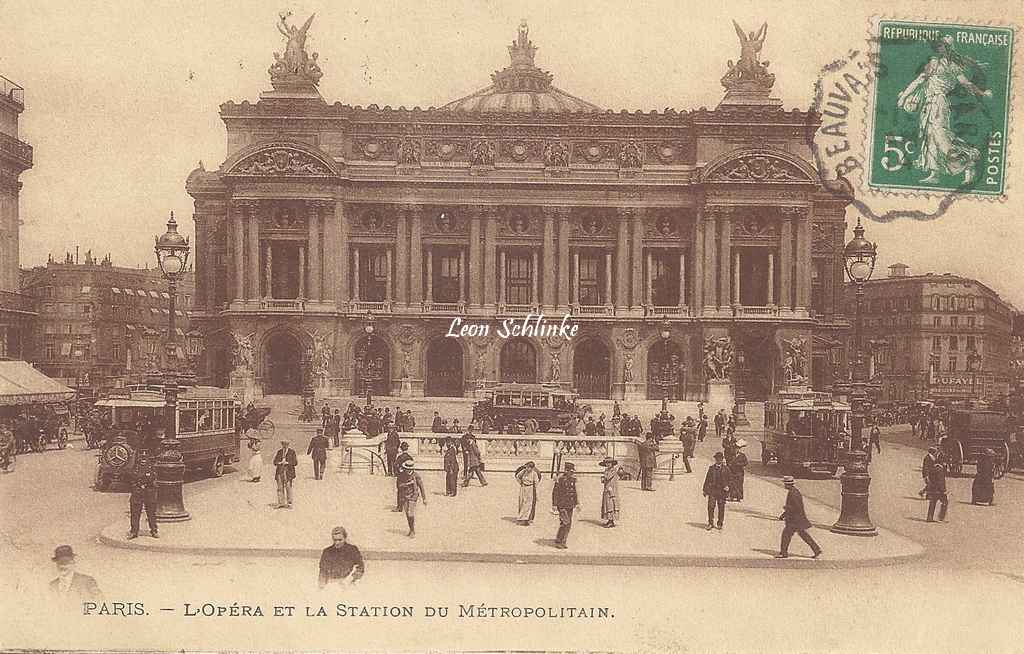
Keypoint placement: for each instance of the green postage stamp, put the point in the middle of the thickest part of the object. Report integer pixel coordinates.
(939, 115)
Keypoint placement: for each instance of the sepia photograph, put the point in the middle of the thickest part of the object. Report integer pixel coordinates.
(511, 326)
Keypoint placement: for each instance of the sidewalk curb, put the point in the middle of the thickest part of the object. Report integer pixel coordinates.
(644, 560)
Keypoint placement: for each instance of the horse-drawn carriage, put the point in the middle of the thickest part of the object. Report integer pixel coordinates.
(39, 426)
(971, 433)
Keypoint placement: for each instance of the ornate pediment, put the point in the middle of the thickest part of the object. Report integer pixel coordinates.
(757, 168)
(282, 161)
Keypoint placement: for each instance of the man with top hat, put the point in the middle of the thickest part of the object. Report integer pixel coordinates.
(930, 459)
(647, 451)
(143, 495)
(796, 521)
(610, 492)
(716, 489)
(317, 450)
(528, 478)
(285, 462)
(72, 586)
(340, 563)
(410, 490)
(564, 501)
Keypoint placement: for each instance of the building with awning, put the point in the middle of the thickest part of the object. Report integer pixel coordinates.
(20, 383)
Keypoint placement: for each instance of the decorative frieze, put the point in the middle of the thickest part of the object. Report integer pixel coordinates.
(281, 162)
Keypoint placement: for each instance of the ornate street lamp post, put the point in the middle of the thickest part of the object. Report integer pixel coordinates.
(172, 251)
(367, 367)
(853, 518)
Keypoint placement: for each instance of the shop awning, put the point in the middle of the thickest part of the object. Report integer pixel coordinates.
(20, 383)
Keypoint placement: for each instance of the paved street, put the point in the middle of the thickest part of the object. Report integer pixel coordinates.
(915, 606)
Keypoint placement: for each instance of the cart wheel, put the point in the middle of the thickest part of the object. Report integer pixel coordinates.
(217, 467)
(1001, 463)
(62, 438)
(531, 426)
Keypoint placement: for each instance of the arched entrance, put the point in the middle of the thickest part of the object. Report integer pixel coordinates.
(666, 371)
(284, 365)
(591, 369)
(444, 368)
(756, 364)
(519, 361)
(371, 367)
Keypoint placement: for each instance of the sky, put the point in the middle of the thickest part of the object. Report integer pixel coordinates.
(122, 98)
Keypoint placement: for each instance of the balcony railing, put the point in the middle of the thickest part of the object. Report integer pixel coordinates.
(12, 91)
(271, 304)
(517, 308)
(377, 307)
(755, 311)
(444, 307)
(18, 150)
(593, 310)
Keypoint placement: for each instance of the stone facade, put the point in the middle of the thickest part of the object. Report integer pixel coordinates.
(336, 244)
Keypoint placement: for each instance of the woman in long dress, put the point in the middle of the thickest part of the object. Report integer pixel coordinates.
(983, 490)
(529, 478)
(255, 460)
(610, 494)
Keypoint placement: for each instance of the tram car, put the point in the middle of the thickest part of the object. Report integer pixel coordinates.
(805, 433)
(527, 408)
(972, 432)
(207, 424)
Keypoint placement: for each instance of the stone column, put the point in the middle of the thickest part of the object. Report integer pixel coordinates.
(390, 284)
(302, 273)
(709, 271)
(238, 218)
(252, 254)
(622, 260)
(430, 275)
(534, 271)
(475, 260)
(501, 277)
(607, 277)
(576, 278)
(355, 274)
(268, 276)
(313, 213)
(340, 254)
(803, 260)
(786, 261)
(564, 263)
(549, 259)
(682, 278)
(462, 275)
(490, 218)
(697, 279)
(203, 260)
(771, 279)
(637, 256)
(649, 279)
(736, 277)
(413, 214)
(725, 258)
(402, 251)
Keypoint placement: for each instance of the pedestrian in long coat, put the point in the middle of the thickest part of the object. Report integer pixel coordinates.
(528, 478)
(687, 438)
(285, 462)
(610, 493)
(930, 459)
(451, 468)
(564, 501)
(796, 521)
(391, 442)
(255, 460)
(317, 450)
(937, 492)
(472, 464)
(403, 456)
(983, 490)
(736, 471)
(716, 488)
(647, 451)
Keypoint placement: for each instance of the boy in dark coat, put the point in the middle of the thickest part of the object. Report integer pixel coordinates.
(451, 468)
(716, 488)
(796, 521)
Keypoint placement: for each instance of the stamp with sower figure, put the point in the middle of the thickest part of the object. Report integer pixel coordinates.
(939, 115)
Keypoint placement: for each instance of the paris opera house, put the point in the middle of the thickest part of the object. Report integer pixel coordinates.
(336, 244)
